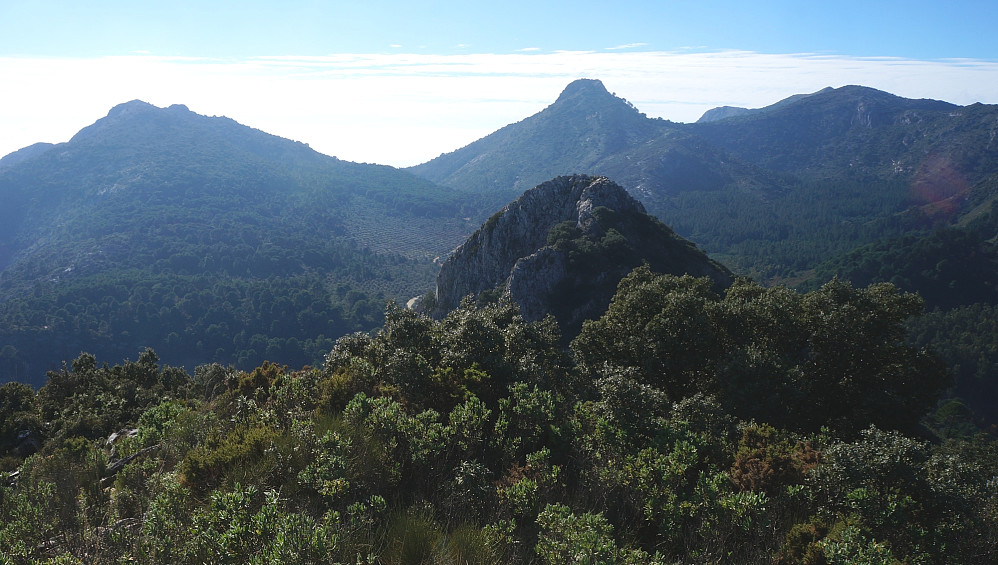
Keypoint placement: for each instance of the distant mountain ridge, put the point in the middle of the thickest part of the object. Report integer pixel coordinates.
(721, 113)
(206, 240)
(23, 154)
(832, 128)
(173, 152)
(725, 112)
(588, 130)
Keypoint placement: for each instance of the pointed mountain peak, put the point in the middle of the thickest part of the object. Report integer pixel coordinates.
(585, 125)
(589, 95)
(583, 87)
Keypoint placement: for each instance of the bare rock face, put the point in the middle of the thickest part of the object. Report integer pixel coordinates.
(562, 247)
(534, 278)
(520, 229)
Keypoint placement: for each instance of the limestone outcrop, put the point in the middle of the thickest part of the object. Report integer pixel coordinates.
(561, 248)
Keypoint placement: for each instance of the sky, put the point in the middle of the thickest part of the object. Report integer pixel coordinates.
(399, 83)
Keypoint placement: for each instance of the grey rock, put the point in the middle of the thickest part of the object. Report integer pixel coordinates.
(487, 258)
(534, 278)
(510, 252)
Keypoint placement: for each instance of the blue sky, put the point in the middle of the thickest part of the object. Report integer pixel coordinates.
(400, 82)
(912, 28)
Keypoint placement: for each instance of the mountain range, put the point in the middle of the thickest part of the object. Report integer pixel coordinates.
(772, 192)
(205, 239)
(590, 385)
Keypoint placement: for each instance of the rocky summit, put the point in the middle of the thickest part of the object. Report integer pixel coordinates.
(562, 247)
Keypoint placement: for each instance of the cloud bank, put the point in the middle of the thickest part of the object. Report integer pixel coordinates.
(402, 109)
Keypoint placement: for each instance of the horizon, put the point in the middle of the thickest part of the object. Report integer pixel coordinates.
(398, 84)
(407, 151)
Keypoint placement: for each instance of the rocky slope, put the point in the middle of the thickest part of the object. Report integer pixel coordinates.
(562, 247)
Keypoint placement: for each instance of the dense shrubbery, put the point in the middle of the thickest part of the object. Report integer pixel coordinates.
(833, 357)
(477, 439)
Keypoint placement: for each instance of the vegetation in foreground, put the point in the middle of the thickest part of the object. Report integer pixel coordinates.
(761, 426)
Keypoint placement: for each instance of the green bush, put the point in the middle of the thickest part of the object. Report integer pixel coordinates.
(239, 456)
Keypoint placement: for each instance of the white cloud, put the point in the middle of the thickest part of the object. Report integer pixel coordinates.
(405, 108)
(626, 46)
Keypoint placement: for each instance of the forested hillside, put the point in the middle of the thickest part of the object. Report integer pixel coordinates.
(758, 426)
(206, 240)
(850, 128)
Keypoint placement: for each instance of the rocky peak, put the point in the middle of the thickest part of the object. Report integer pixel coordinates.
(521, 228)
(590, 97)
(561, 248)
(583, 88)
